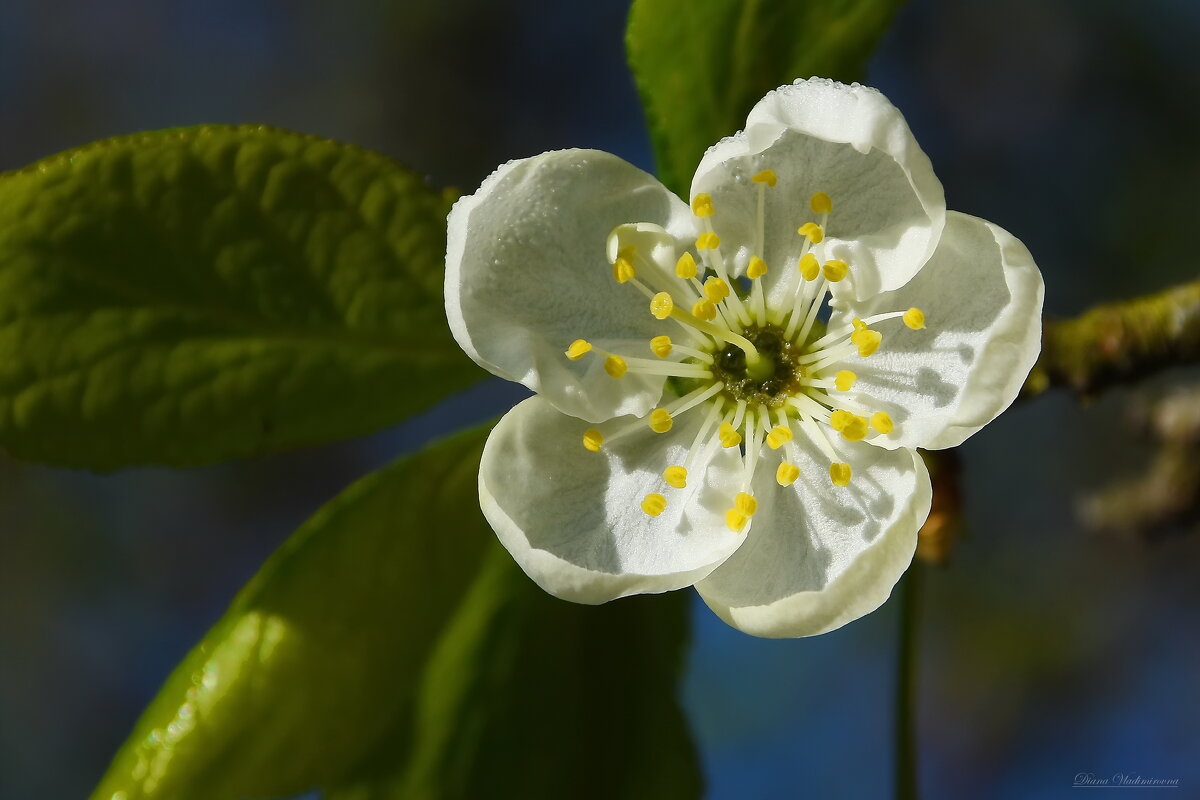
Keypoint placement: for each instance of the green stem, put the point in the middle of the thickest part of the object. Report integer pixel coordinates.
(906, 686)
(1119, 342)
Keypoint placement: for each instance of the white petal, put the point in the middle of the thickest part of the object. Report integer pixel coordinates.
(527, 274)
(573, 520)
(818, 556)
(854, 145)
(982, 298)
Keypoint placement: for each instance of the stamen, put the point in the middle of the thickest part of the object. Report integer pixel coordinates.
(808, 406)
(692, 352)
(811, 317)
(767, 176)
(705, 309)
(786, 474)
(744, 506)
(764, 179)
(676, 477)
(821, 204)
(623, 270)
(661, 346)
(855, 429)
(593, 440)
(835, 270)
(712, 257)
(654, 504)
(839, 419)
(702, 205)
(812, 231)
(660, 420)
(719, 333)
(786, 477)
(716, 289)
(823, 358)
(755, 270)
(809, 267)
(617, 366)
(882, 422)
(714, 413)
(661, 305)
(753, 447)
(685, 267)
(738, 413)
(695, 398)
(728, 435)
(913, 318)
(844, 380)
(817, 437)
(867, 341)
(779, 435)
(839, 473)
(578, 349)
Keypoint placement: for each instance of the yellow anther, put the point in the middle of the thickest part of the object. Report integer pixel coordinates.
(661, 346)
(615, 366)
(786, 474)
(839, 474)
(716, 289)
(914, 318)
(675, 476)
(654, 504)
(705, 309)
(702, 205)
(728, 435)
(685, 267)
(593, 440)
(708, 241)
(835, 270)
(856, 429)
(661, 305)
(736, 520)
(779, 436)
(844, 380)
(809, 267)
(628, 252)
(839, 419)
(756, 269)
(745, 503)
(660, 420)
(881, 422)
(623, 270)
(767, 176)
(866, 340)
(812, 231)
(858, 324)
(578, 349)
(820, 203)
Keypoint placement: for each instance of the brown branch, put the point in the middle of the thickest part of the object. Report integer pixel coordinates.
(1119, 342)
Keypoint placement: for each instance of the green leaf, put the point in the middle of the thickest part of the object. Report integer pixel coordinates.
(541, 698)
(187, 296)
(391, 649)
(701, 65)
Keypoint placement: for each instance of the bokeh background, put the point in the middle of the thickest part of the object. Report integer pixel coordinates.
(1048, 647)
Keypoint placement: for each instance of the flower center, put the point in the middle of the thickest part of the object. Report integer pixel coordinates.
(764, 373)
(777, 375)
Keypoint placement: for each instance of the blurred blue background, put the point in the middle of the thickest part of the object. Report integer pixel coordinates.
(1046, 649)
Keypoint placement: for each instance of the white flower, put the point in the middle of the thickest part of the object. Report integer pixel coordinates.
(729, 393)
